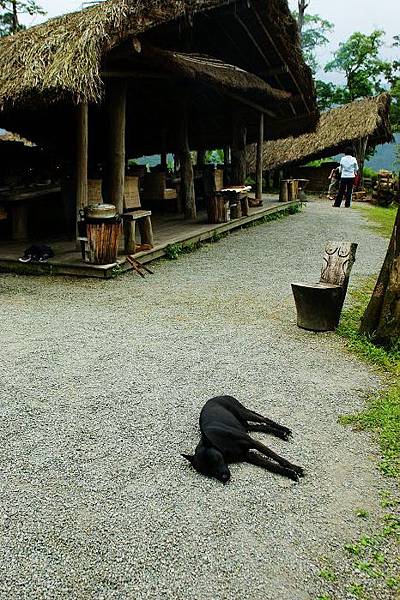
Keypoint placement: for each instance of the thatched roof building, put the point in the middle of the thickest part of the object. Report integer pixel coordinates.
(227, 53)
(366, 119)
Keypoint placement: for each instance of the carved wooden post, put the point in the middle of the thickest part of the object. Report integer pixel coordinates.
(187, 178)
(238, 150)
(115, 168)
(259, 159)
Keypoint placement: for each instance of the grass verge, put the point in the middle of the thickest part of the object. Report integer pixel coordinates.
(380, 219)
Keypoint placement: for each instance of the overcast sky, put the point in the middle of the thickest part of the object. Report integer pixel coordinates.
(347, 15)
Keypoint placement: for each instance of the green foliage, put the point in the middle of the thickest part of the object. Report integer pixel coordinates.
(359, 60)
(215, 156)
(368, 172)
(10, 11)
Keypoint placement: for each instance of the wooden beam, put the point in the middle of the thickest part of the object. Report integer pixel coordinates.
(250, 103)
(115, 166)
(259, 159)
(261, 52)
(81, 168)
(272, 41)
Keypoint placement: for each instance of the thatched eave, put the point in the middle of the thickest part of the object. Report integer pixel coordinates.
(337, 128)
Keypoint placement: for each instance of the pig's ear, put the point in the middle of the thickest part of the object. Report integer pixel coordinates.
(188, 457)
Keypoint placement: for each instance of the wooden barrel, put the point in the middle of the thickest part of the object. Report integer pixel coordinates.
(103, 238)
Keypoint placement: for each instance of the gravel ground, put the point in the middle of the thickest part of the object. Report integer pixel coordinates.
(102, 384)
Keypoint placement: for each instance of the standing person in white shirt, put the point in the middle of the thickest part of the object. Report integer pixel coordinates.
(348, 171)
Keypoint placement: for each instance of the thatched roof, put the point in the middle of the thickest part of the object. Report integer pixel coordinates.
(241, 51)
(8, 136)
(337, 128)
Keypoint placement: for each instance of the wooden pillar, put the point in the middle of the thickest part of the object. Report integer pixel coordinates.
(115, 168)
(227, 164)
(188, 200)
(82, 140)
(201, 158)
(164, 162)
(239, 168)
(360, 151)
(259, 159)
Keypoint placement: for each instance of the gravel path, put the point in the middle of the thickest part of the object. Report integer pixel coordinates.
(102, 384)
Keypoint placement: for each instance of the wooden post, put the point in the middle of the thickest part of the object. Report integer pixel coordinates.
(238, 175)
(187, 178)
(259, 159)
(82, 157)
(361, 149)
(163, 162)
(201, 158)
(115, 168)
(227, 164)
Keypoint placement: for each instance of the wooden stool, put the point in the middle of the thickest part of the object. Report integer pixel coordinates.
(143, 218)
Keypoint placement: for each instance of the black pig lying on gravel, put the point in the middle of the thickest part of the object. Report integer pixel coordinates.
(224, 423)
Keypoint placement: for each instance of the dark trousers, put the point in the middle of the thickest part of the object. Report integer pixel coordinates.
(345, 189)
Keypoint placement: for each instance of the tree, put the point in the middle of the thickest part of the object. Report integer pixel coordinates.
(313, 32)
(359, 60)
(381, 320)
(10, 10)
(303, 5)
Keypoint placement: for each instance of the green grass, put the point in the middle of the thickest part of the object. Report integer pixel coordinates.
(380, 219)
(382, 414)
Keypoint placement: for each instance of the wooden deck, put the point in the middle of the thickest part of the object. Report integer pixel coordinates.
(167, 230)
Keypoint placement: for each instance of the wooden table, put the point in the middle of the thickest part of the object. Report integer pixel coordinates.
(17, 199)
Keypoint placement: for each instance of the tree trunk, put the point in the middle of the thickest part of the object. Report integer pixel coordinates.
(15, 22)
(81, 168)
(115, 167)
(259, 160)
(188, 199)
(381, 319)
(361, 150)
(238, 151)
(201, 158)
(302, 4)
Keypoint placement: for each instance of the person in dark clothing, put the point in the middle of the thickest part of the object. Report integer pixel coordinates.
(348, 171)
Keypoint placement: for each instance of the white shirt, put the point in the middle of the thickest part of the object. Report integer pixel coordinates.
(348, 167)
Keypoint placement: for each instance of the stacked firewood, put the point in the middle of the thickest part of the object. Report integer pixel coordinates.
(386, 188)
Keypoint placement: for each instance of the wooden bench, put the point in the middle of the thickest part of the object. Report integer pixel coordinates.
(319, 305)
(143, 219)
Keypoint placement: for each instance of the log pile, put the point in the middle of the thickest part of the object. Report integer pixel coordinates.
(386, 188)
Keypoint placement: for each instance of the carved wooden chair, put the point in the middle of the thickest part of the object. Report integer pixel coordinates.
(319, 305)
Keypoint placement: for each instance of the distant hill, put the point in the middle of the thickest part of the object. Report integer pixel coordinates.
(385, 156)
